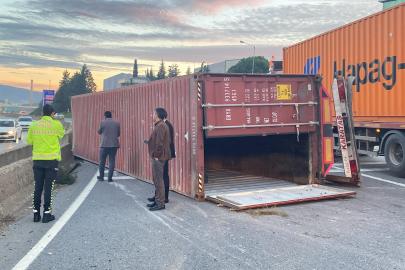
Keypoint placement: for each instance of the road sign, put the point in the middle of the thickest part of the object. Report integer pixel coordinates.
(47, 96)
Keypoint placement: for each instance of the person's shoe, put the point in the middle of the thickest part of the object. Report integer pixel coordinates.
(100, 179)
(157, 207)
(109, 180)
(151, 199)
(37, 217)
(48, 217)
(166, 200)
(151, 204)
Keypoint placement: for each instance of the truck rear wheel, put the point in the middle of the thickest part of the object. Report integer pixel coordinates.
(394, 154)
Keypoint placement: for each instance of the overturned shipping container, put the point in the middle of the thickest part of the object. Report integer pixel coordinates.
(235, 134)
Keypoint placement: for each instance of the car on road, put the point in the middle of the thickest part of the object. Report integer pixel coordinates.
(10, 130)
(25, 121)
(59, 116)
(23, 113)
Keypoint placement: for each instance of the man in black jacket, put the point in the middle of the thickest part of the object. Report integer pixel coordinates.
(166, 167)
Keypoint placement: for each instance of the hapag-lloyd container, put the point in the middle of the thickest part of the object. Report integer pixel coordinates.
(239, 122)
(370, 49)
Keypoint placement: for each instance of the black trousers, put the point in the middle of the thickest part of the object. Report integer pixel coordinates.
(110, 152)
(45, 173)
(166, 179)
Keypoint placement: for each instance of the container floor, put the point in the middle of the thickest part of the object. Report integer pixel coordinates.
(241, 191)
(223, 182)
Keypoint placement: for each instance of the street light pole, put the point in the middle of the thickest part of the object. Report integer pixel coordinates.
(254, 54)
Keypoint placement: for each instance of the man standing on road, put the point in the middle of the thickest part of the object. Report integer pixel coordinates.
(44, 135)
(166, 167)
(110, 131)
(159, 152)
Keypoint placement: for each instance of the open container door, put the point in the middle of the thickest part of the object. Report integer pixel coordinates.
(262, 134)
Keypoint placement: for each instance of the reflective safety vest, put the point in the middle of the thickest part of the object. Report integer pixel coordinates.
(44, 135)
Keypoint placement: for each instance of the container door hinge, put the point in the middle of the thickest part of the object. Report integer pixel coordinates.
(186, 136)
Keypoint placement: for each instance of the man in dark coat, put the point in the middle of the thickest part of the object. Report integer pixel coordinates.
(166, 167)
(159, 152)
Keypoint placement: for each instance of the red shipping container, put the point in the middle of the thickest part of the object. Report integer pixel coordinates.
(248, 123)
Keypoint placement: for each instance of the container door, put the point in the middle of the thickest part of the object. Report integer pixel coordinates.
(259, 104)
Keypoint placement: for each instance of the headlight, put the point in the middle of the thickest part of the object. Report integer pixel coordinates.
(11, 132)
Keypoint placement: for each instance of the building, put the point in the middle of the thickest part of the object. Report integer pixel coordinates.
(113, 82)
(221, 67)
(390, 3)
(224, 66)
(131, 81)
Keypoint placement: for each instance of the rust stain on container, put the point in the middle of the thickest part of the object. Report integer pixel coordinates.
(371, 49)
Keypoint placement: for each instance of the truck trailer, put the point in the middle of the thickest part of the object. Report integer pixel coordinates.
(372, 50)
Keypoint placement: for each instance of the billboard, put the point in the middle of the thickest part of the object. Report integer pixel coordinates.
(47, 96)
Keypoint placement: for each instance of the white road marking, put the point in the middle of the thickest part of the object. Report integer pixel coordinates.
(373, 163)
(120, 178)
(53, 231)
(384, 180)
(375, 178)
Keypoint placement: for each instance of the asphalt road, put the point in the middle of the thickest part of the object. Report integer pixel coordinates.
(8, 145)
(112, 229)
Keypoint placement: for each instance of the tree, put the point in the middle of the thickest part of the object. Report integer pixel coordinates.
(245, 65)
(162, 71)
(152, 75)
(135, 70)
(188, 72)
(202, 67)
(38, 110)
(206, 68)
(80, 83)
(174, 70)
(147, 73)
(61, 103)
(90, 84)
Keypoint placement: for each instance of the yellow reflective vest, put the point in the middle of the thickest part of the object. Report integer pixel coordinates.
(44, 135)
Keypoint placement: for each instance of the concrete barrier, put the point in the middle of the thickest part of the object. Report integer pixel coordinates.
(17, 178)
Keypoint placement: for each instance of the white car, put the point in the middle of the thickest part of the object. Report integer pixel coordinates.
(25, 121)
(58, 116)
(10, 130)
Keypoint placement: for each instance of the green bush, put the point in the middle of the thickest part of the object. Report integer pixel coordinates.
(70, 134)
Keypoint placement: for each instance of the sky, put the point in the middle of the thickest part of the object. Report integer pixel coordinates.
(39, 39)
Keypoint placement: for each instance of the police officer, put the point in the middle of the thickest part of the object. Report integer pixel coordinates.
(44, 135)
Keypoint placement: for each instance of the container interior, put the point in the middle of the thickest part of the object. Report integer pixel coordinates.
(278, 157)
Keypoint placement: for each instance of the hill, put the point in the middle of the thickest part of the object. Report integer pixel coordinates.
(17, 95)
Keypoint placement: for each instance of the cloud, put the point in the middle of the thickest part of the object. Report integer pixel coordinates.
(84, 14)
(215, 6)
(104, 34)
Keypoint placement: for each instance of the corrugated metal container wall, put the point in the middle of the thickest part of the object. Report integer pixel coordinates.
(205, 108)
(133, 107)
(371, 49)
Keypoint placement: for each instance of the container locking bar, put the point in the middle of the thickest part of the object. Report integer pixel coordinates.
(296, 115)
(297, 125)
(209, 105)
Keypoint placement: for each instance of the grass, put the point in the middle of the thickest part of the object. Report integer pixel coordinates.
(67, 115)
(266, 212)
(65, 178)
(70, 134)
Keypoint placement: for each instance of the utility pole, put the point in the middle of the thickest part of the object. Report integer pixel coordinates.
(254, 54)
